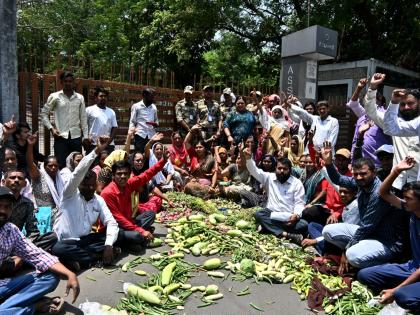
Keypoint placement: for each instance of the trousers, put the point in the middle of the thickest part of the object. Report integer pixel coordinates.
(389, 276)
(19, 295)
(84, 251)
(366, 253)
(63, 147)
(144, 220)
(277, 227)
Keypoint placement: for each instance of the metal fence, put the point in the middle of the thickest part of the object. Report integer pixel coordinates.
(35, 88)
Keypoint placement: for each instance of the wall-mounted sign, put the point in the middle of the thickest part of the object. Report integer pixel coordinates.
(315, 42)
(311, 69)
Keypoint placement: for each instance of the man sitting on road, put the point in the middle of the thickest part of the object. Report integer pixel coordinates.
(134, 227)
(80, 208)
(285, 203)
(23, 214)
(22, 294)
(378, 237)
(400, 282)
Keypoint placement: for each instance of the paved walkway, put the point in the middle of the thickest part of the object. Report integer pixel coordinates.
(273, 299)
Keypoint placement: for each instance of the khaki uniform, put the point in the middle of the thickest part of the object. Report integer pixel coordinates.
(224, 110)
(186, 112)
(209, 117)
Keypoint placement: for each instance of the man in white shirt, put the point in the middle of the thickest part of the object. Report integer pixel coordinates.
(397, 127)
(325, 127)
(101, 120)
(80, 208)
(70, 124)
(282, 215)
(144, 119)
(403, 146)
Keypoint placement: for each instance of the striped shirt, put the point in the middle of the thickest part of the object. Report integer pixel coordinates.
(14, 243)
(378, 219)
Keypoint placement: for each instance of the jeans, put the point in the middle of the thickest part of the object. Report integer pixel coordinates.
(63, 147)
(389, 276)
(365, 253)
(277, 227)
(18, 297)
(140, 143)
(144, 220)
(84, 251)
(314, 231)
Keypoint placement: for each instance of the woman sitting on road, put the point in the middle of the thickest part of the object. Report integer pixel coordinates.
(71, 162)
(154, 152)
(179, 158)
(148, 197)
(47, 183)
(202, 166)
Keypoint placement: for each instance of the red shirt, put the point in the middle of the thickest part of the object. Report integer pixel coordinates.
(332, 199)
(119, 201)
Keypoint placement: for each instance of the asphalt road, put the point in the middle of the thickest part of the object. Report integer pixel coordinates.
(273, 299)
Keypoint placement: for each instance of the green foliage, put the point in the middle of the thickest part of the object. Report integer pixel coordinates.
(219, 39)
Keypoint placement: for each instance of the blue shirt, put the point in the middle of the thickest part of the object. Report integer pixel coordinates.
(240, 124)
(415, 239)
(378, 219)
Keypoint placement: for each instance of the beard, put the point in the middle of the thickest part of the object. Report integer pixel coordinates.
(408, 114)
(282, 178)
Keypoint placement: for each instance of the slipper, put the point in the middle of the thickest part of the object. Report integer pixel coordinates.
(49, 305)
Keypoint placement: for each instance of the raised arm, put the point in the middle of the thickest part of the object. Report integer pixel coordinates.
(82, 168)
(257, 173)
(385, 190)
(297, 110)
(156, 138)
(360, 135)
(32, 167)
(354, 104)
(333, 174)
(370, 100)
(395, 126)
(129, 139)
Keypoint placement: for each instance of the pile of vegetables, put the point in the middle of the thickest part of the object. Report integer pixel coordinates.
(241, 253)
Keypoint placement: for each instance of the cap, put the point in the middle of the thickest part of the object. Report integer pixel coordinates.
(207, 87)
(388, 148)
(189, 89)
(258, 93)
(344, 152)
(6, 193)
(227, 91)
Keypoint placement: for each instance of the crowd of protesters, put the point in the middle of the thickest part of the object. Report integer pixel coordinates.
(360, 203)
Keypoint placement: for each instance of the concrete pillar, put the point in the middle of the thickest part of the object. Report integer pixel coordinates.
(9, 102)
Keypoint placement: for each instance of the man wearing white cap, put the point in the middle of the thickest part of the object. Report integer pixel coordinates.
(227, 102)
(186, 111)
(385, 154)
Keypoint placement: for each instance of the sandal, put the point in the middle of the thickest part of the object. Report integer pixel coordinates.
(47, 305)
